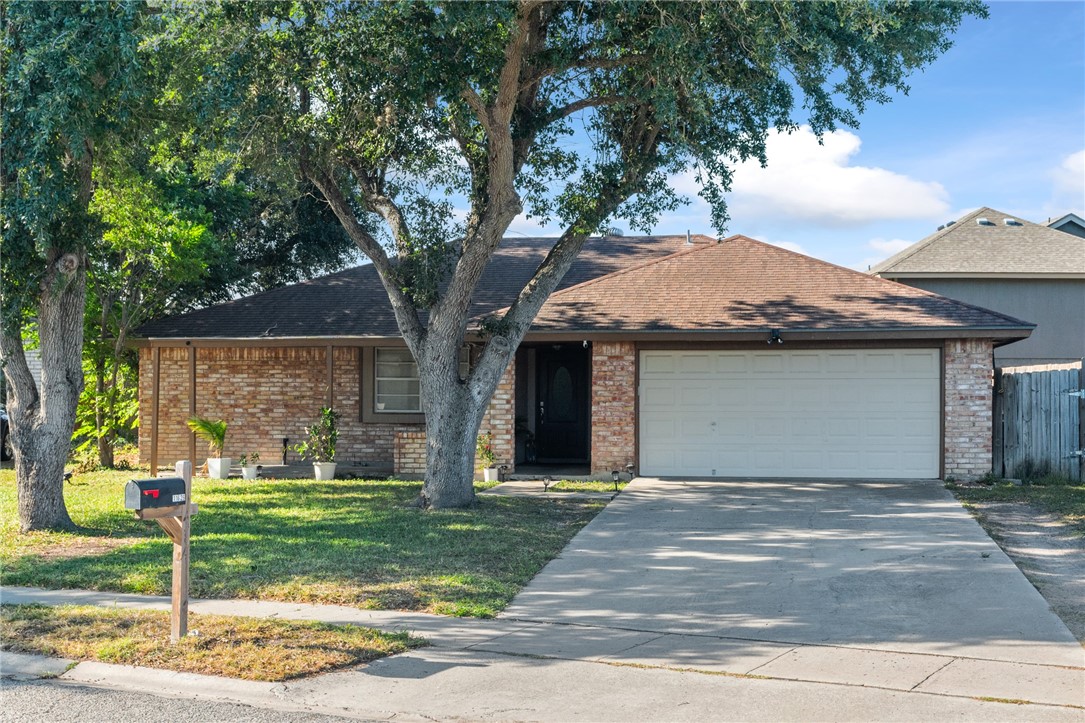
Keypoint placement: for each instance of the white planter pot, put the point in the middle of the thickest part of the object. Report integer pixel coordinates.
(324, 470)
(218, 467)
(490, 474)
(249, 472)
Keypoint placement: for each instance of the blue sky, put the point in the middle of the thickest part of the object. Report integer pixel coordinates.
(997, 121)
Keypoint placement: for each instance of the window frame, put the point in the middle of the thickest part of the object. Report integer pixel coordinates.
(368, 383)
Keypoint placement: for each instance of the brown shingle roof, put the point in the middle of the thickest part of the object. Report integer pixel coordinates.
(744, 285)
(353, 303)
(970, 248)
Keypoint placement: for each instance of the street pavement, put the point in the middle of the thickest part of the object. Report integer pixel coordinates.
(675, 604)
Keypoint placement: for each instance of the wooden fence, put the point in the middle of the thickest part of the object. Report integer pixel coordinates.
(1038, 421)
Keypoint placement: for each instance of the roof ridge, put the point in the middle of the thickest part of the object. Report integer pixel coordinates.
(860, 274)
(634, 267)
(923, 243)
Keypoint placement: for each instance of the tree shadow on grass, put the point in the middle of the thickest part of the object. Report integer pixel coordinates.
(348, 542)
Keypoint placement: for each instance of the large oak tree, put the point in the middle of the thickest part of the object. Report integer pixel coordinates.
(575, 112)
(73, 87)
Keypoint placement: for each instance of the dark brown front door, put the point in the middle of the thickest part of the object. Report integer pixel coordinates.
(562, 411)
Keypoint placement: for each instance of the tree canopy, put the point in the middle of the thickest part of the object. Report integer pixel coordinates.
(575, 112)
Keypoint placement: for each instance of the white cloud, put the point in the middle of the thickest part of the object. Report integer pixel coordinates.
(790, 246)
(888, 246)
(1069, 183)
(884, 248)
(524, 226)
(813, 183)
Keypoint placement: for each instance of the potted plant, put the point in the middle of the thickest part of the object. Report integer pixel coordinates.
(214, 433)
(484, 456)
(320, 444)
(250, 466)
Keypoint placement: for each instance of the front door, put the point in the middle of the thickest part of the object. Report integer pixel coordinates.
(562, 410)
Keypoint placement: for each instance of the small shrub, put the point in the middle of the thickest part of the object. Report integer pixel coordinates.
(484, 450)
(211, 431)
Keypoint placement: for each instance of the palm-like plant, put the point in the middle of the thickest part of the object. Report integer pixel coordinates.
(211, 431)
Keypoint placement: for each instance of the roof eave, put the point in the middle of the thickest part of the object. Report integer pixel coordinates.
(1007, 334)
(895, 275)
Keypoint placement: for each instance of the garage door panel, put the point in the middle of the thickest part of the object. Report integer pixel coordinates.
(774, 413)
(919, 363)
(732, 363)
(842, 363)
(767, 363)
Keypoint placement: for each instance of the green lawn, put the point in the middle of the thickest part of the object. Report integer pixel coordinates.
(1059, 497)
(351, 542)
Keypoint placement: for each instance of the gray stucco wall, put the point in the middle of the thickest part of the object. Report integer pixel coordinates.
(1056, 306)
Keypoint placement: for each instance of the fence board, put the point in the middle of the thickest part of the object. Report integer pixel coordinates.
(1038, 423)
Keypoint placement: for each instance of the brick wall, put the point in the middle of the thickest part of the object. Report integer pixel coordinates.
(969, 379)
(264, 394)
(613, 405)
(500, 419)
(410, 452)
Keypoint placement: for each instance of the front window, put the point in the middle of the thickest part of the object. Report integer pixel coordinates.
(397, 382)
(396, 389)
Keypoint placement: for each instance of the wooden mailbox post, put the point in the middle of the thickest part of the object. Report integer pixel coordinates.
(149, 503)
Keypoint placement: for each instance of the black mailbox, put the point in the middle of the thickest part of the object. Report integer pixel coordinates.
(144, 494)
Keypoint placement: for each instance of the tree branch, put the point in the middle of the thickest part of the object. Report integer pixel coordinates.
(406, 313)
(382, 204)
(583, 103)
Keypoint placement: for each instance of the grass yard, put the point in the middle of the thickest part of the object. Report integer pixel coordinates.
(351, 542)
(1057, 496)
(249, 648)
(574, 485)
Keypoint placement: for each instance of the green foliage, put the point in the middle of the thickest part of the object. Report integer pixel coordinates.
(382, 91)
(57, 115)
(319, 445)
(211, 431)
(484, 450)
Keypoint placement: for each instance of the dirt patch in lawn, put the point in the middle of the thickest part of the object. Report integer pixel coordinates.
(237, 647)
(1048, 551)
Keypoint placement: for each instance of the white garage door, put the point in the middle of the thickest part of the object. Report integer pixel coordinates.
(817, 413)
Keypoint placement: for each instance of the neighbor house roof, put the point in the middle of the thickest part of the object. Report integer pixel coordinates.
(353, 303)
(1070, 223)
(988, 242)
(742, 285)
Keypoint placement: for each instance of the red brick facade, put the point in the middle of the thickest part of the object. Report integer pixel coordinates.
(969, 380)
(500, 419)
(268, 393)
(613, 406)
(410, 452)
(264, 394)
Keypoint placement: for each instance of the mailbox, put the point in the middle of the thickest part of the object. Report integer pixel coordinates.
(145, 494)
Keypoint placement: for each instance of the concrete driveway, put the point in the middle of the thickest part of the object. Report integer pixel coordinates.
(738, 573)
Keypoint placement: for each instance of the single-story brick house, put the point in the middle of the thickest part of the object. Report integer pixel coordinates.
(677, 356)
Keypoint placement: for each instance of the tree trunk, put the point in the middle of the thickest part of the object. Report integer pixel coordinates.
(39, 471)
(454, 412)
(42, 420)
(452, 425)
(101, 412)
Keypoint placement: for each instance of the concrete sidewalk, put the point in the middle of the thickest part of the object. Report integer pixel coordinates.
(530, 670)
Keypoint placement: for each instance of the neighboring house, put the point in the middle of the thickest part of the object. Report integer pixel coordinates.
(1070, 223)
(1001, 262)
(726, 359)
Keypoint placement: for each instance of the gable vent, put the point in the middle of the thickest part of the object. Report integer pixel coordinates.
(1011, 222)
(983, 222)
